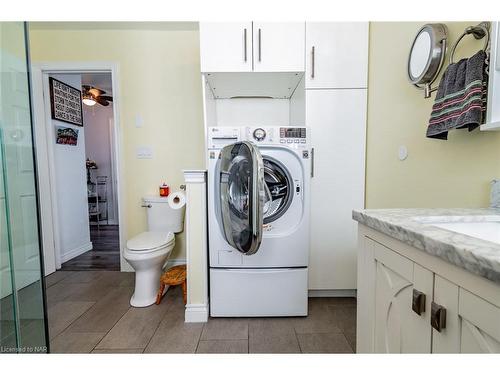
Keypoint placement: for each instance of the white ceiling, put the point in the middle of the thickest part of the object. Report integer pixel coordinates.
(99, 80)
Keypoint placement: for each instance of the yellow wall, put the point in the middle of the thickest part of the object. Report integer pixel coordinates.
(452, 173)
(159, 80)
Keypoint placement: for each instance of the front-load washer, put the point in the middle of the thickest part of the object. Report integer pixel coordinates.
(258, 197)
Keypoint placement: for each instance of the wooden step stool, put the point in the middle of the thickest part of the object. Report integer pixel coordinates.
(173, 276)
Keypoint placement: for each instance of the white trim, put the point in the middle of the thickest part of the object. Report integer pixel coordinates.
(332, 293)
(194, 176)
(45, 152)
(175, 262)
(75, 252)
(196, 313)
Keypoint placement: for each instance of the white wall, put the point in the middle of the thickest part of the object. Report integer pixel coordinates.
(71, 187)
(97, 121)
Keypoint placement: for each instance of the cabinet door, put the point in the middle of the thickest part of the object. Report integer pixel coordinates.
(226, 46)
(337, 119)
(336, 54)
(278, 46)
(398, 329)
(479, 324)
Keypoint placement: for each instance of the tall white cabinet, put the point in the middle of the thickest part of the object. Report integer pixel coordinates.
(336, 102)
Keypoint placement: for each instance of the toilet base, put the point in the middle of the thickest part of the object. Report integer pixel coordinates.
(146, 287)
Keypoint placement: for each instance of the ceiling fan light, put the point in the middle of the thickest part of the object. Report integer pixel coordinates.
(88, 100)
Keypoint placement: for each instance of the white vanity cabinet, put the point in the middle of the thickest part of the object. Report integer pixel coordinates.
(393, 318)
(252, 46)
(336, 55)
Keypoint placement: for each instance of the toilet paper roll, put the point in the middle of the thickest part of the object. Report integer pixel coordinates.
(176, 200)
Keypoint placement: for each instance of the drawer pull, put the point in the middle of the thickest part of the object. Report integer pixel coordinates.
(438, 317)
(418, 302)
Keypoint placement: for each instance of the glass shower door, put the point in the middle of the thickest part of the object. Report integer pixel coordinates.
(22, 303)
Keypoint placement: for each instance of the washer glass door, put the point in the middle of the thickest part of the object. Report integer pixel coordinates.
(242, 196)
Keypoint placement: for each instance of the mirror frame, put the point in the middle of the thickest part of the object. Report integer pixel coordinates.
(438, 33)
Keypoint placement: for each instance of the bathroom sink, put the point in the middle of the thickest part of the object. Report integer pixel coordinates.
(485, 228)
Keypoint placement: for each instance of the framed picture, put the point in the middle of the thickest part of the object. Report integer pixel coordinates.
(66, 136)
(65, 102)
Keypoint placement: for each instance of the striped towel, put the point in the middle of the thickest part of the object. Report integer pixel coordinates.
(461, 97)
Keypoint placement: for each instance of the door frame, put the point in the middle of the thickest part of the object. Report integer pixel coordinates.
(44, 148)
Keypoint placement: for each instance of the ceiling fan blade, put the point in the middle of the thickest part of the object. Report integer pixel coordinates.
(106, 97)
(101, 101)
(96, 92)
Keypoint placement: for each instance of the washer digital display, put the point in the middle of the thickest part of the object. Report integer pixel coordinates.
(292, 132)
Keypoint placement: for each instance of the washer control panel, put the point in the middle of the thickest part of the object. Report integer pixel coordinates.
(294, 137)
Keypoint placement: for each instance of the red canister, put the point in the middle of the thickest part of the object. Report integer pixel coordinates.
(164, 190)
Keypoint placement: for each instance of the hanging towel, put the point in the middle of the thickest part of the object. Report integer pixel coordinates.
(461, 97)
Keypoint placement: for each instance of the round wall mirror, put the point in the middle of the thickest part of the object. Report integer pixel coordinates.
(427, 56)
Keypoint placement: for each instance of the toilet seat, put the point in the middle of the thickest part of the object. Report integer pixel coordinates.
(148, 242)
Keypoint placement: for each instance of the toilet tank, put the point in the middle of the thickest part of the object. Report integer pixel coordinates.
(161, 217)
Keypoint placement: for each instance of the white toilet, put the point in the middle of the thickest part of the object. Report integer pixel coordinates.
(148, 252)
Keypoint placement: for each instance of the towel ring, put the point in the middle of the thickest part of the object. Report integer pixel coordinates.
(479, 32)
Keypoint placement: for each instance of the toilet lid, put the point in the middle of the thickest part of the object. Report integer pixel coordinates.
(150, 241)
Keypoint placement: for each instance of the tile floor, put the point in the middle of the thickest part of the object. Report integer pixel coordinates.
(89, 311)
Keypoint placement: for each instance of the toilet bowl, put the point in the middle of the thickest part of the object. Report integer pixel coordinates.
(147, 253)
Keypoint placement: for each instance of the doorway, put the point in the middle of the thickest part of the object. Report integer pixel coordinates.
(102, 207)
(82, 229)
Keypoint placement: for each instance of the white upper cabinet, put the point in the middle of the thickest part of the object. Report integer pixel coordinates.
(336, 55)
(226, 46)
(278, 46)
(252, 46)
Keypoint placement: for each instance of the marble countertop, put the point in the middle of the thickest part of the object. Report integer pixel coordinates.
(475, 255)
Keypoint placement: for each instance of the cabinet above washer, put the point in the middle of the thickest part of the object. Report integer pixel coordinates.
(252, 46)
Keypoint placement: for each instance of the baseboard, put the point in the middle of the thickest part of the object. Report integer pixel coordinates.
(104, 222)
(75, 252)
(332, 293)
(196, 313)
(175, 262)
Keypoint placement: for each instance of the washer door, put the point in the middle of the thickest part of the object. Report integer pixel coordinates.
(242, 196)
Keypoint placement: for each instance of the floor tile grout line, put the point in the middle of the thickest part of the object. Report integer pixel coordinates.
(199, 337)
(69, 325)
(109, 330)
(157, 326)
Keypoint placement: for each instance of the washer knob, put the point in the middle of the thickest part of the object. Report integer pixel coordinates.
(259, 134)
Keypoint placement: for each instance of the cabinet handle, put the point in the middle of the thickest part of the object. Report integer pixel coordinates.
(245, 44)
(418, 302)
(312, 62)
(438, 317)
(312, 162)
(260, 45)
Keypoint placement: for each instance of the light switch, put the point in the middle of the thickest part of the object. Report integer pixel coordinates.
(138, 121)
(144, 152)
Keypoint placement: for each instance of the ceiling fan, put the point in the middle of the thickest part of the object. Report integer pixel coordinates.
(92, 95)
